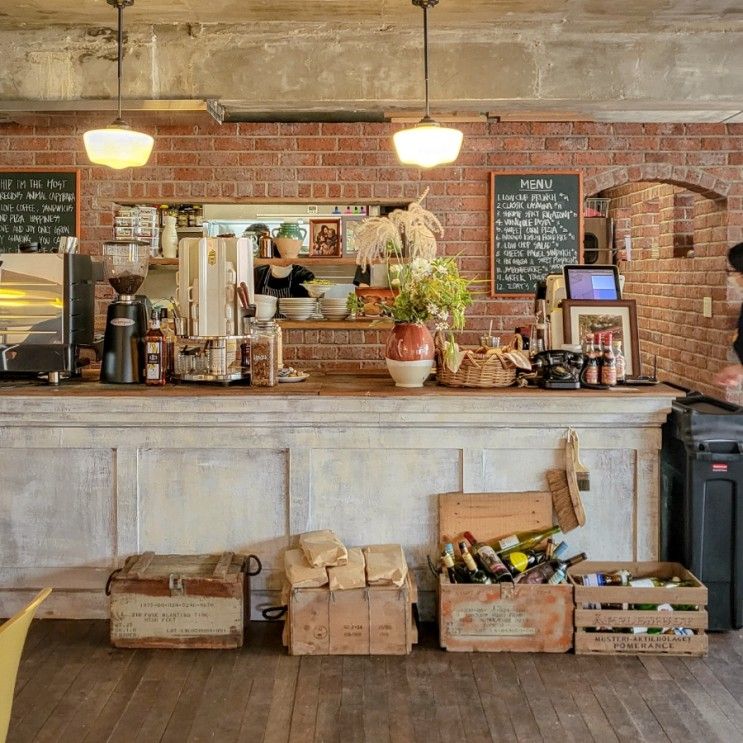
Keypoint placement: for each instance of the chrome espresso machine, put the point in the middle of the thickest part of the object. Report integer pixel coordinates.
(215, 285)
(47, 308)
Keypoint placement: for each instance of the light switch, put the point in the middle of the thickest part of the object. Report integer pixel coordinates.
(707, 307)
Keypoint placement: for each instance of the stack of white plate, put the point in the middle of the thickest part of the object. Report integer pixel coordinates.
(297, 308)
(333, 309)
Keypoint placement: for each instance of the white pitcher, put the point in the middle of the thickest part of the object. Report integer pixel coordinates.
(169, 237)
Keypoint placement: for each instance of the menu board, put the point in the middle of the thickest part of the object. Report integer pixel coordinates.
(536, 228)
(38, 206)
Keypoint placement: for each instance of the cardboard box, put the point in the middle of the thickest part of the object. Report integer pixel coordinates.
(180, 601)
(501, 617)
(619, 615)
(376, 620)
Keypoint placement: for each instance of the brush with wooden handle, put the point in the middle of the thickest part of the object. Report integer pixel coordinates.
(582, 474)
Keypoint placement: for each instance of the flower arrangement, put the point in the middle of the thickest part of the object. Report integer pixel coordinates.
(410, 232)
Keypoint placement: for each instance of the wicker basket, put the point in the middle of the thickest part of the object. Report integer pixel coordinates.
(478, 369)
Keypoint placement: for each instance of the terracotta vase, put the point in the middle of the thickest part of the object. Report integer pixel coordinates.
(409, 354)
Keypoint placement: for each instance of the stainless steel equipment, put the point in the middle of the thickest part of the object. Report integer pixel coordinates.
(210, 270)
(47, 307)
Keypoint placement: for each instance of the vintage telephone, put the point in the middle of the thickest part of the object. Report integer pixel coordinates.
(557, 370)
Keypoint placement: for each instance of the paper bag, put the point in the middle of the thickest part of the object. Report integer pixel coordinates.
(300, 574)
(351, 575)
(323, 549)
(385, 565)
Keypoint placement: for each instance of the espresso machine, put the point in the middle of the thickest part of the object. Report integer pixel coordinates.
(215, 288)
(47, 303)
(125, 264)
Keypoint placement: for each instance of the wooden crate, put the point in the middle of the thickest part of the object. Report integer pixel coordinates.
(612, 643)
(376, 620)
(501, 617)
(180, 601)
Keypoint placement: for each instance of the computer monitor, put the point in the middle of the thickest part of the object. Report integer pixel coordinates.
(592, 282)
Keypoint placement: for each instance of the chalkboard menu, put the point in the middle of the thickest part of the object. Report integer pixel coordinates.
(38, 206)
(536, 228)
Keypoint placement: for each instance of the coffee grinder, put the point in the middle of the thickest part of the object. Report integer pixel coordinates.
(125, 265)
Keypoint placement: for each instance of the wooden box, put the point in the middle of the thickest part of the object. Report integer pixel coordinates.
(588, 616)
(376, 620)
(180, 601)
(501, 617)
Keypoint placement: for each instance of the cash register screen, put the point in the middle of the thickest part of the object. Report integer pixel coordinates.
(592, 282)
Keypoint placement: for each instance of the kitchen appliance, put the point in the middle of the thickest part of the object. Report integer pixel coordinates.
(598, 239)
(125, 264)
(47, 307)
(210, 273)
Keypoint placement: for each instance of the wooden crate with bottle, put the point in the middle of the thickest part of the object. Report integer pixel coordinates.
(502, 617)
(638, 608)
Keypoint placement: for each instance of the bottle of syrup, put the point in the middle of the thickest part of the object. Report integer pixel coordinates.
(155, 354)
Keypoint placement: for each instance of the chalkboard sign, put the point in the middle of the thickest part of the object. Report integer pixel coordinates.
(38, 206)
(536, 228)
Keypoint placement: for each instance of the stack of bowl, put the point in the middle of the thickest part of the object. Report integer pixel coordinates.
(297, 308)
(333, 308)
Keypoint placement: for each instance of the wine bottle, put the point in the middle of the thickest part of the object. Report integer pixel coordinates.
(488, 558)
(447, 562)
(476, 575)
(519, 561)
(618, 578)
(542, 573)
(523, 540)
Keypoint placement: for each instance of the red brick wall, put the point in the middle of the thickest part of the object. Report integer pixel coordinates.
(668, 288)
(197, 160)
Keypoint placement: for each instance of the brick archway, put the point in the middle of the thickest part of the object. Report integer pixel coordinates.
(695, 179)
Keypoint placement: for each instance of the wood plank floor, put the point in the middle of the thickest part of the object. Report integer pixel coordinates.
(72, 686)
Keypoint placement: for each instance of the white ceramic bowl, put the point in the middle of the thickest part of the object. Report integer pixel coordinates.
(409, 373)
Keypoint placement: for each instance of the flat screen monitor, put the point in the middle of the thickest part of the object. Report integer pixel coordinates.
(592, 282)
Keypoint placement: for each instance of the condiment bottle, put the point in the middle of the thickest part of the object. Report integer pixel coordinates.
(620, 362)
(155, 354)
(609, 365)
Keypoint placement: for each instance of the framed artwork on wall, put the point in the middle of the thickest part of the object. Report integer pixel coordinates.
(582, 317)
(325, 237)
(348, 236)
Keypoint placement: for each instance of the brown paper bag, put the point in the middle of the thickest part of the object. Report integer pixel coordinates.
(300, 574)
(351, 575)
(385, 565)
(323, 549)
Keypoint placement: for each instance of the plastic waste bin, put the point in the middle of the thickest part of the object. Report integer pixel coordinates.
(702, 500)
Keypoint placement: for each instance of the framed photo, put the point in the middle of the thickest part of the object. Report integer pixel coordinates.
(325, 237)
(582, 317)
(348, 236)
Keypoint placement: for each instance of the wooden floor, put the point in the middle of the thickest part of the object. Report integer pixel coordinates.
(73, 687)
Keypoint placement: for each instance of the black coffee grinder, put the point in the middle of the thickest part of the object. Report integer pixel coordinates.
(125, 265)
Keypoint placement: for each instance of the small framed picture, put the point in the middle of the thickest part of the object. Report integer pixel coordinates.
(582, 317)
(325, 237)
(348, 235)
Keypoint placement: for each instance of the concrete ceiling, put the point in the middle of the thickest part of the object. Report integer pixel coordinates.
(627, 60)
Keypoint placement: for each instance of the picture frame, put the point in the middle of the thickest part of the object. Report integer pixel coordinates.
(583, 316)
(325, 238)
(349, 224)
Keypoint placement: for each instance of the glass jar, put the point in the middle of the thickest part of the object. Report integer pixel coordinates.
(264, 369)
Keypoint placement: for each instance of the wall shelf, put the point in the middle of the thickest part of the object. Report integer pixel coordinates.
(366, 323)
(306, 260)
(163, 262)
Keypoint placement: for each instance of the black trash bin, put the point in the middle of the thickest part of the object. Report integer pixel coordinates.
(702, 500)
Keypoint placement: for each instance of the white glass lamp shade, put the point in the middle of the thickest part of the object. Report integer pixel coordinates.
(428, 144)
(118, 147)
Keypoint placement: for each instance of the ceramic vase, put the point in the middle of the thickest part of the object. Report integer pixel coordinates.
(169, 237)
(409, 354)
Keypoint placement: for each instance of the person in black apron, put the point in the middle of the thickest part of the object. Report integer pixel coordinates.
(732, 375)
(282, 281)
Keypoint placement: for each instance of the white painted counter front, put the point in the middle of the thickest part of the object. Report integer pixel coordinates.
(89, 476)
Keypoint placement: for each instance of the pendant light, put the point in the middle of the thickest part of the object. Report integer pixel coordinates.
(428, 143)
(118, 146)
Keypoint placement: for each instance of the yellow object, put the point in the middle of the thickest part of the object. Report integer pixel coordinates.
(12, 638)
(427, 144)
(118, 147)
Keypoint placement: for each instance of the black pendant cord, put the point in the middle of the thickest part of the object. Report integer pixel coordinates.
(425, 57)
(120, 42)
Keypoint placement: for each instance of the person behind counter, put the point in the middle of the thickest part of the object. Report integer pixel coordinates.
(732, 375)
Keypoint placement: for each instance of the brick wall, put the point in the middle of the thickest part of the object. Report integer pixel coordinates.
(197, 160)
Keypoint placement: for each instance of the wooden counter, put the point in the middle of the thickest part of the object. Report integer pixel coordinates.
(91, 473)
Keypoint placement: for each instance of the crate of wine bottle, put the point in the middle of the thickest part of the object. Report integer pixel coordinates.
(638, 619)
(501, 617)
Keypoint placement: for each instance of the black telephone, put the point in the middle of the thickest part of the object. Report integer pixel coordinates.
(558, 370)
